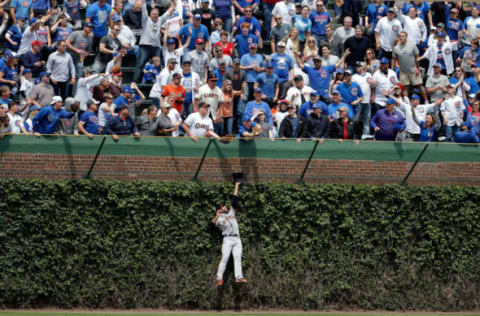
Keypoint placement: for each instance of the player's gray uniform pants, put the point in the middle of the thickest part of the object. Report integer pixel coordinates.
(231, 245)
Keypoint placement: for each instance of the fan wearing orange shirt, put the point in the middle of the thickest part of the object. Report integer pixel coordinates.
(175, 91)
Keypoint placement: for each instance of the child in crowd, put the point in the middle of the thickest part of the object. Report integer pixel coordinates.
(151, 70)
(262, 124)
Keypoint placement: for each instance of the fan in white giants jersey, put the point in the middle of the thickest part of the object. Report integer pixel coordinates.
(226, 222)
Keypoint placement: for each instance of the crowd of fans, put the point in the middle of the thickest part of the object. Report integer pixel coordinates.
(392, 70)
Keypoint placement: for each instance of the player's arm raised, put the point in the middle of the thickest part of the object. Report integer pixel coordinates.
(235, 204)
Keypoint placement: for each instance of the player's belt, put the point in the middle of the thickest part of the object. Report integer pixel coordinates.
(231, 235)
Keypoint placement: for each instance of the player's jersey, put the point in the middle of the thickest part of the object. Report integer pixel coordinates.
(227, 222)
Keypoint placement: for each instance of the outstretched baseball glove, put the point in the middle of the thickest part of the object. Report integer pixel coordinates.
(227, 139)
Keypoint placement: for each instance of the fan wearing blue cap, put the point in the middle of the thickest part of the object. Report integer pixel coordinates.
(318, 123)
(207, 15)
(128, 98)
(121, 124)
(334, 107)
(350, 91)
(88, 123)
(29, 33)
(385, 79)
(283, 66)
(196, 30)
(28, 124)
(388, 122)
(441, 53)
(421, 124)
(414, 113)
(319, 75)
(256, 105)
(268, 83)
(307, 108)
(170, 51)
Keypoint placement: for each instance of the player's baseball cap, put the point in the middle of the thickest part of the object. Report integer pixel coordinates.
(197, 17)
(317, 105)
(36, 43)
(442, 25)
(205, 1)
(391, 10)
(415, 97)
(283, 101)
(384, 60)
(177, 75)
(236, 61)
(399, 85)
(348, 72)
(315, 93)
(270, 65)
(298, 78)
(172, 60)
(186, 62)
(391, 101)
(336, 92)
(43, 74)
(27, 71)
(340, 71)
(472, 95)
(170, 41)
(437, 65)
(199, 41)
(33, 21)
(440, 34)
(257, 90)
(127, 89)
(281, 44)
(56, 99)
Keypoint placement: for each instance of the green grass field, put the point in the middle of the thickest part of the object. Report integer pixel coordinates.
(182, 313)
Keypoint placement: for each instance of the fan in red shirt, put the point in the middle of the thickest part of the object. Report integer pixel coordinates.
(175, 91)
(226, 46)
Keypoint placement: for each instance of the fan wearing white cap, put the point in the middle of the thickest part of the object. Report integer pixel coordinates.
(47, 119)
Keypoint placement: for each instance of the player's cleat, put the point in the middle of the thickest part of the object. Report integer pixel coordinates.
(219, 283)
(240, 280)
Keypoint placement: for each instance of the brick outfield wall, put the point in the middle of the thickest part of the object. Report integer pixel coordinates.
(54, 166)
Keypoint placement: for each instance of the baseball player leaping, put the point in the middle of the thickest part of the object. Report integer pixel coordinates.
(227, 224)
